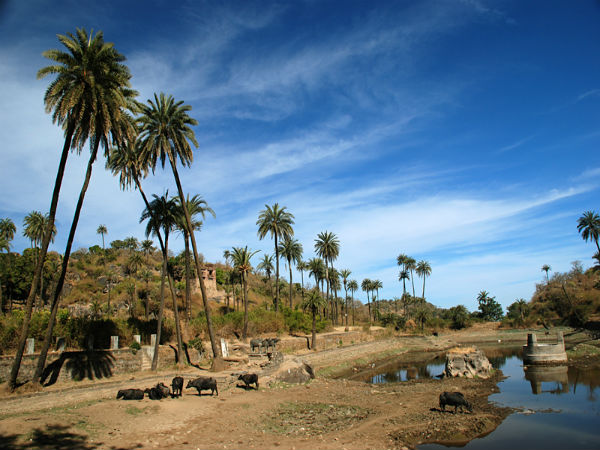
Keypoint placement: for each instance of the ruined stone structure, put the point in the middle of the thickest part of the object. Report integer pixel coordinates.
(468, 363)
(535, 353)
(209, 276)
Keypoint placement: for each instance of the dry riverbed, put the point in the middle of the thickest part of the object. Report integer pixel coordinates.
(326, 413)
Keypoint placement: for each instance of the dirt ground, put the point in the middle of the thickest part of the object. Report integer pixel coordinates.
(325, 413)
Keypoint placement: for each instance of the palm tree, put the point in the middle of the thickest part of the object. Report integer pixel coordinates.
(316, 268)
(377, 284)
(327, 246)
(266, 264)
(366, 287)
(352, 287)
(165, 133)
(101, 230)
(423, 270)
(345, 274)
(277, 222)
(401, 260)
(314, 302)
(411, 265)
(301, 266)
(291, 250)
(195, 206)
(162, 214)
(241, 262)
(91, 97)
(147, 247)
(7, 231)
(403, 277)
(589, 227)
(546, 268)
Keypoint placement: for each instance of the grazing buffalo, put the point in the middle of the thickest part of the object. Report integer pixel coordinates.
(456, 399)
(177, 386)
(248, 379)
(130, 394)
(256, 344)
(203, 383)
(271, 342)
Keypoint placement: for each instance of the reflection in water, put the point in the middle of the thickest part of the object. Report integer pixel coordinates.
(536, 375)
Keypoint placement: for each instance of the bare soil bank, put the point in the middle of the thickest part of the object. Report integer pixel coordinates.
(326, 413)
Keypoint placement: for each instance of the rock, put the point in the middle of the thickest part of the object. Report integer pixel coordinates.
(468, 362)
(294, 371)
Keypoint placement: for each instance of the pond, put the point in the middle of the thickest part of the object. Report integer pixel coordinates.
(557, 407)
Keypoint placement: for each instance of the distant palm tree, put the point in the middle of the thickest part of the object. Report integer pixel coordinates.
(195, 206)
(345, 274)
(377, 284)
(589, 227)
(411, 265)
(327, 246)
(266, 264)
(147, 247)
(301, 266)
(241, 262)
(291, 250)
(335, 285)
(162, 215)
(276, 222)
(165, 134)
(314, 302)
(423, 270)
(7, 231)
(316, 268)
(353, 287)
(33, 227)
(546, 268)
(366, 287)
(101, 230)
(91, 97)
(403, 277)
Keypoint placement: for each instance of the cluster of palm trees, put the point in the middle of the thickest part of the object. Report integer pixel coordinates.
(92, 100)
(588, 226)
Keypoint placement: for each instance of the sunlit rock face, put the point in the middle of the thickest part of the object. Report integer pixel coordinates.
(468, 362)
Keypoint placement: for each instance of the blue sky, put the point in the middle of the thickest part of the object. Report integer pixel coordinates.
(465, 133)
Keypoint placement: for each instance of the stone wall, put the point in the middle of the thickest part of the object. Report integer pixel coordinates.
(535, 353)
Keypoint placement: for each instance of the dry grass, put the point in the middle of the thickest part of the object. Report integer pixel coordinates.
(462, 350)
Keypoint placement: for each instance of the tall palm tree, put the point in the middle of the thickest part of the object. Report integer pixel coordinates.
(7, 231)
(314, 302)
(195, 206)
(291, 250)
(423, 270)
(100, 96)
(165, 134)
(33, 227)
(403, 277)
(327, 246)
(345, 274)
(102, 230)
(162, 215)
(316, 268)
(335, 286)
(410, 265)
(352, 287)
(546, 268)
(377, 284)
(277, 222)
(366, 287)
(589, 227)
(241, 262)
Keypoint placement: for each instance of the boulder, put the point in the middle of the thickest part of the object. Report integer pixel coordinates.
(293, 371)
(467, 362)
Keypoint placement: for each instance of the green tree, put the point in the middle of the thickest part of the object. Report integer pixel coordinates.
(411, 265)
(314, 302)
(423, 270)
(7, 232)
(366, 286)
(489, 308)
(589, 227)
(165, 134)
(459, 316)
(90, 99)
(266, 265)
(102, 230)
(518, 311)
(403, 277)
(327, 246)
(241, 262)
(352, 287)
(291, 250)
(195, 206)
(277, 222)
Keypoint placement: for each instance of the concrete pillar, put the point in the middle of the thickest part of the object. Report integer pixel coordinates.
(30, 346)
(114, 342)
(224, 349)
(137, 338)
(531, 339)
(153, 340)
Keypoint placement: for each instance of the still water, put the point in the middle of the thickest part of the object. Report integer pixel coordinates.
(557, 407)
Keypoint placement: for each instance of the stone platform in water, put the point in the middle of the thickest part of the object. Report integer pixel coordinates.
(535, 353)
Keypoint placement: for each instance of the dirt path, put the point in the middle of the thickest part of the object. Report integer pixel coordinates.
(323, 414)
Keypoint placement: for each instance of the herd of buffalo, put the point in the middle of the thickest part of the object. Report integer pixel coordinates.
(161, 391)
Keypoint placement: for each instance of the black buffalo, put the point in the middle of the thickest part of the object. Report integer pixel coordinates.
(271, 342)
(248, 379)
(256, 344)
(456, 399)
(130, 394)
(177, 386)
(203, 383)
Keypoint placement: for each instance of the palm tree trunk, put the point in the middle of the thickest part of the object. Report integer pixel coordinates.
(188, 294)
(65, 263)
(217, 357)
(161, 308)
(352, 309)
(177, 324)
(245, 330)
(276, 275)
(14, 372)
(313, 345)
(290, 265)
(346, 293)
(302, 290)
(412, 280)
(424, 286)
